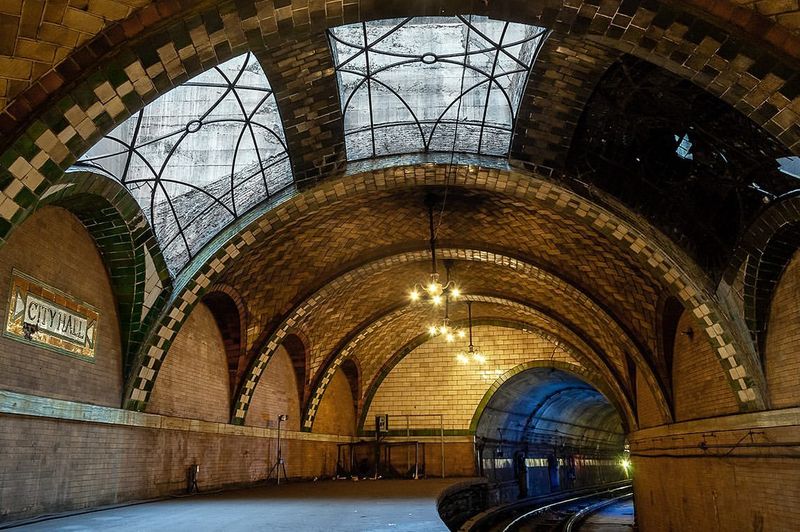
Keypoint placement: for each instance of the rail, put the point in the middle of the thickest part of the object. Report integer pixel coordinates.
(508, 516)
(582, 514)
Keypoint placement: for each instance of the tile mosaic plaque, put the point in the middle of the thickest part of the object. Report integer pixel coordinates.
(47, 317)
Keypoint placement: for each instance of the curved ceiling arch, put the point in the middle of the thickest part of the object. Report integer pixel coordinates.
(127, 74)
(138, 275)
(556, 331)
(55, 141)
(628, 239)
(578, 373)
(324, 301)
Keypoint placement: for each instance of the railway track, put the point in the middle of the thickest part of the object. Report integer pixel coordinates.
(562, 513)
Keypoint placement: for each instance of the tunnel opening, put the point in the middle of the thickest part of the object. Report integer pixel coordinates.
(546, 430)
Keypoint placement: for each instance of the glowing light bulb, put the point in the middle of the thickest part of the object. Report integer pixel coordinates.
(414, 295)
(479, 358)
(455, 292)
(461, 334)
(462, 358)
(437, 300)
(443, 329)
(450, 337)
(433, 330)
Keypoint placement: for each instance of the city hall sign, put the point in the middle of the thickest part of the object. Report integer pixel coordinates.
(49, 318)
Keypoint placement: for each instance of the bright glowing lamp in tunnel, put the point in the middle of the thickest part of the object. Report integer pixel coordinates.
(625, 464)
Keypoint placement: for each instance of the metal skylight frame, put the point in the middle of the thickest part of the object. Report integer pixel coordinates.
(520, 52)
(237, 107)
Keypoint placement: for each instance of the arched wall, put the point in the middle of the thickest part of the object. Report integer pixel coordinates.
(690, 289)
(430, 380)
(277, 394)
(781, 360)
(336, 413)
(647, 411)
(196, 375)
(55, 248)
(229, 312)
(700, 390)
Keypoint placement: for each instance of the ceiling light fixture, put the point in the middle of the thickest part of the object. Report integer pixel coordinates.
(445, 330)
(433, 290)
(472, 354)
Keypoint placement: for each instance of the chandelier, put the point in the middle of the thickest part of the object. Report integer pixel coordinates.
(433, 290)
(446, 330)
(472, 354)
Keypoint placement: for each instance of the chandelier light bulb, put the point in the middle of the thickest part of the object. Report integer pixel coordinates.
(461, 333)
(478, 357)
(414, 296)
(435, 289)
(450, 337)
(462, 359)
(433, 330)
(455, 292)
(437, 300)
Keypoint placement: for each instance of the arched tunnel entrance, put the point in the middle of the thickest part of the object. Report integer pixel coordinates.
(546, 430)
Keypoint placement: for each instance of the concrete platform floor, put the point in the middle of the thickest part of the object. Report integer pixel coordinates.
(383, 505)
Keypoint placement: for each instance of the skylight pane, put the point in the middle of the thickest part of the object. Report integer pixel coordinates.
(790, 166)
(432, 84)
(199, 156)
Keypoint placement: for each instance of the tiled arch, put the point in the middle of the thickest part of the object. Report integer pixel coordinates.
(521, 267)
(678, 272)
(353, 346)
(624, 409)
(160, 46)
(764, 253)
(576, 352)
(128, 247)
(234, 351)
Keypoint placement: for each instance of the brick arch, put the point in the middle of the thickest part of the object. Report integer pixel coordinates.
(680, 276)
(296, 348)
(352, 371)
(562, 80)
(230, 313)
(560, 332)
(41, 144)
(160, 46)
(342, 282)
(669, 314)
(399, 355)
(129, 249)
(766, 249)
(627, 416)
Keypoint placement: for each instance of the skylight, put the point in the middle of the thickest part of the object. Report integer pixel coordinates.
(684, 149)
(432, 84)
(199, 156)
(790, 166)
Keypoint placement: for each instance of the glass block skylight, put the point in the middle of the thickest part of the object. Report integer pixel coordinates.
(432, 84)
(199, 156)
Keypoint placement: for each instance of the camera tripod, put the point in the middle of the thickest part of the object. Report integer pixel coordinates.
(279, 467)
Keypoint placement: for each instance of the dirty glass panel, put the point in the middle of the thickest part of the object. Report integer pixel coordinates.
(432, 84)
(199, 156)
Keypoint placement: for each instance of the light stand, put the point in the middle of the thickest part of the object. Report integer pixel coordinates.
(279, 466)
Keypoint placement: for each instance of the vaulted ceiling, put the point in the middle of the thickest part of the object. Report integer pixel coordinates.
(637, 119)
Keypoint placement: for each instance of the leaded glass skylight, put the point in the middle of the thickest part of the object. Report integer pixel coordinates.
(432, 84)
(199, 156)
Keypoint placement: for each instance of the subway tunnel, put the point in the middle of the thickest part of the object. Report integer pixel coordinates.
(405, 265)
